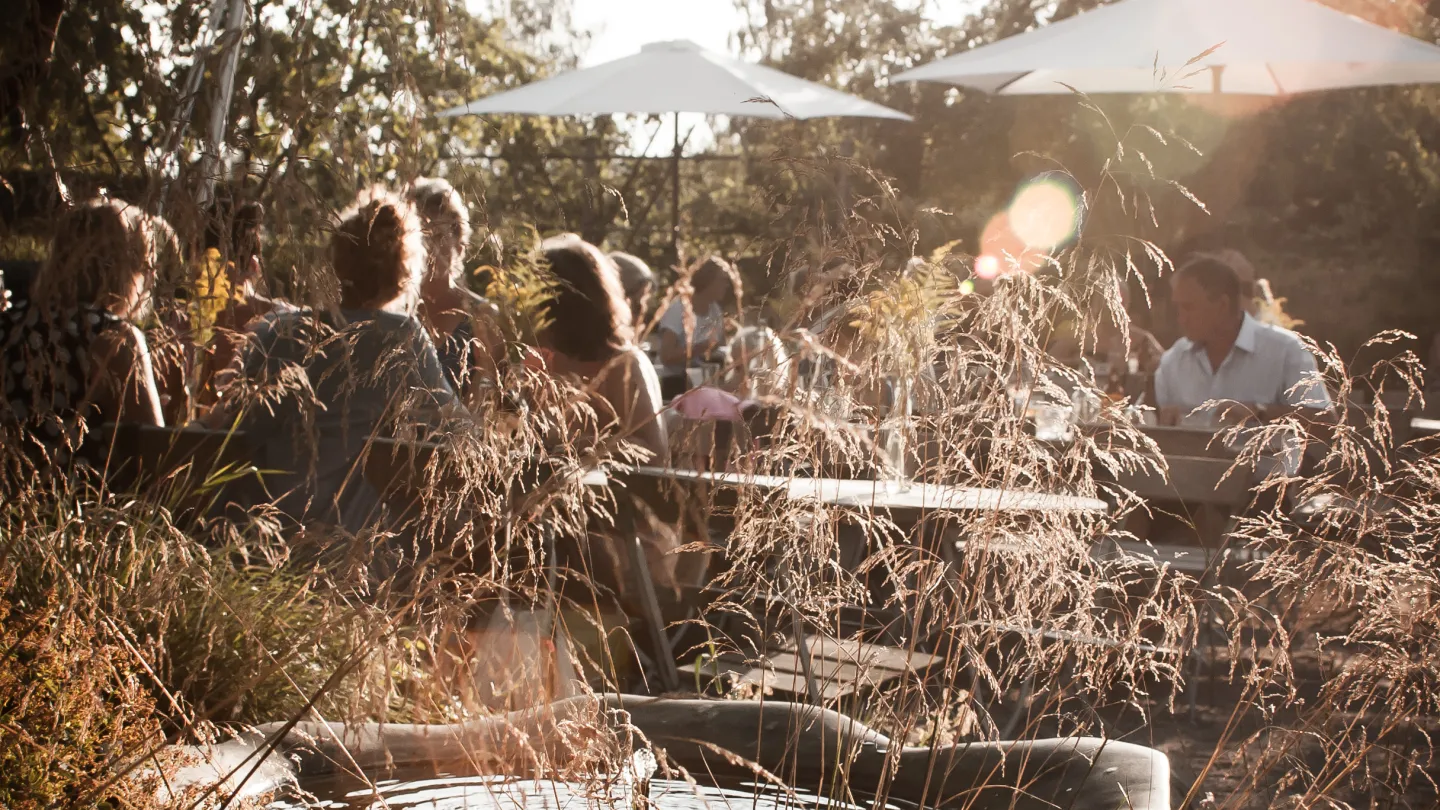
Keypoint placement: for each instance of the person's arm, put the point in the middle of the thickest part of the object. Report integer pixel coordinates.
(628, 384)
(487, 348)
(431, 375)
(249, 361)
(1301, 384)
(1166, 398)
(123, 382)
(1146, 349)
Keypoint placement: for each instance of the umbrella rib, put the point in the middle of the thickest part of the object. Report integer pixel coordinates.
(1279, 88)
(1006, 85)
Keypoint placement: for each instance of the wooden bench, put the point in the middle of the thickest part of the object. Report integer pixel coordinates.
(841, 668)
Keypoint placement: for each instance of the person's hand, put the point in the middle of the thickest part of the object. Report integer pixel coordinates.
(1169, 416)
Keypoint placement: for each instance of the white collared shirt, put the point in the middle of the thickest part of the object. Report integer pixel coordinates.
(1267, 366)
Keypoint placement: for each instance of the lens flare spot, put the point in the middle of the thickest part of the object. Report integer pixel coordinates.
(987, 266)
(1045, 214)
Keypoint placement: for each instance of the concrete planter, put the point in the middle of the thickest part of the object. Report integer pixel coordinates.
(807, 747)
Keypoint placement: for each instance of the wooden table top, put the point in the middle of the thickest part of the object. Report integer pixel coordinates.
(885, 495)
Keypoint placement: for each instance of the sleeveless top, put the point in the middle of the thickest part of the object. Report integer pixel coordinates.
(47, 369)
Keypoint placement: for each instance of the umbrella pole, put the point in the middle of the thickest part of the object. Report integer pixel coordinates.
(675, 196)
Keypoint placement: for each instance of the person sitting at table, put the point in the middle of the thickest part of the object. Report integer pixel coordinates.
(71, 355)
(1227, 355)
(683, 345)
(1107, 348)
(638, 284)
(587, 335)
(231, 295)
(327, 382)
(464, 325)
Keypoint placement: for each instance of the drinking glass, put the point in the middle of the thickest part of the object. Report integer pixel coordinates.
(1052, 422)
(894, 429)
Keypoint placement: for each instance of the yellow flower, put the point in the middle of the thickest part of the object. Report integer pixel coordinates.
(212, 294)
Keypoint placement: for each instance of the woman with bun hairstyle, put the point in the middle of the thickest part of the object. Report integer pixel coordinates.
(325, 383)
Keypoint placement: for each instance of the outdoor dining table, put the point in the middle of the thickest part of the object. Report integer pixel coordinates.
(888, 495)
(911, 499)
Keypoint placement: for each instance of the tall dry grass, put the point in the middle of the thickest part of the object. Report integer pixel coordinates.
(137, 624)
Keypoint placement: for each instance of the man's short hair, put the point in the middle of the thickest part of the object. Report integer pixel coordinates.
(1214, 275)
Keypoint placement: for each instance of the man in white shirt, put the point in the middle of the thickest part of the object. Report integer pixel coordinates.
(1226, 354)
(680, 347)
(1249, 370)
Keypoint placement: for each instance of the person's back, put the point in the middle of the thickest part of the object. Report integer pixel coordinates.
(338, 382)
(320, 387)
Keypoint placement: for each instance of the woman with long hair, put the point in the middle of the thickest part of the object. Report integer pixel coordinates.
(463, 324)
(73, 357)
(331, 381)
(586, 334)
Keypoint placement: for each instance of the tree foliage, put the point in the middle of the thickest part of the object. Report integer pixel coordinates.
(1331, 193)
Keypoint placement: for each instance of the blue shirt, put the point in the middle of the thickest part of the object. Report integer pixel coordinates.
(1267, 366)
(368, 373)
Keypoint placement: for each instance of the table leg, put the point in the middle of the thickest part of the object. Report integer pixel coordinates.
(649, 602)
(802, 651)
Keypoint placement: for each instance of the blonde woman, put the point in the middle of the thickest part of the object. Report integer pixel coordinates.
(463, 325)
(333, 380)
(73, 357)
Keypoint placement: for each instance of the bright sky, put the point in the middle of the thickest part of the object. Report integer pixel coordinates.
(619, 27)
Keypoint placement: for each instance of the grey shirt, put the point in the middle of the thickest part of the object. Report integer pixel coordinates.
(369, 373)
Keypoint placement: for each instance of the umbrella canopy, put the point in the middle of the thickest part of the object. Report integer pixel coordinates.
(1266, 47)
(676, 77)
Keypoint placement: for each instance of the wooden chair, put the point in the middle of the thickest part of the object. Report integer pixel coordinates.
(1215, 496)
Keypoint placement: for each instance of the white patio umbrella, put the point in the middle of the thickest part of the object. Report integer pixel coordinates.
(678, 77)
(1266, 47)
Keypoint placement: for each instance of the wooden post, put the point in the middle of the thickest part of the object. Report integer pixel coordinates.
(675, 197)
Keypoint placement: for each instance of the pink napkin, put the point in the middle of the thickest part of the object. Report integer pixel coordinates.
(710, 404)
